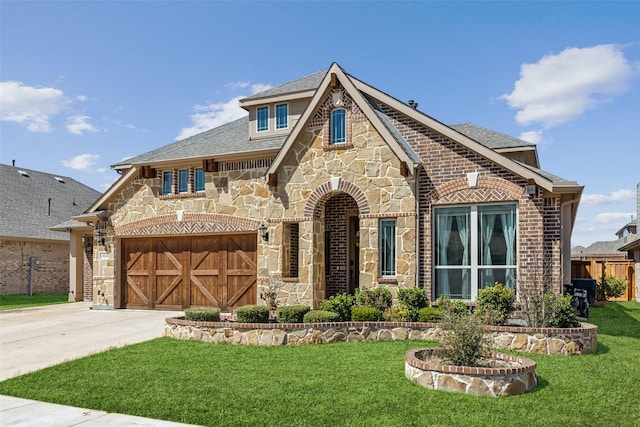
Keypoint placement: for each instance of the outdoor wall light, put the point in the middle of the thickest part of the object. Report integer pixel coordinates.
(263, 232)
(530, 190)
(97, 234)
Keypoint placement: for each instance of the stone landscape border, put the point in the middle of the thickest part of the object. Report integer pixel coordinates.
(557, 341)
(481, 381)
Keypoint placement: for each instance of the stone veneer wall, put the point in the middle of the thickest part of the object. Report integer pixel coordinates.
(50, 276)
(558, 341)
(494, 382)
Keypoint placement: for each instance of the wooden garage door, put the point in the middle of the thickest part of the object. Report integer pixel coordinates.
(176, 273)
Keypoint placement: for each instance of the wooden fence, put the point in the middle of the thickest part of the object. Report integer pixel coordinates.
(592, 269)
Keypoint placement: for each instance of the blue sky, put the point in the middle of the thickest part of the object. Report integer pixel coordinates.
(87, 84)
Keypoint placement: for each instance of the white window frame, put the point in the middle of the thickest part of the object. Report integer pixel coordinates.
(474, 263)
(258, 109)
(342, 140)
(385, 270)
(286, 116)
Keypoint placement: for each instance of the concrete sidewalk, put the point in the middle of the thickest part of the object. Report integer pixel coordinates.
(38, 337)
(17, 412)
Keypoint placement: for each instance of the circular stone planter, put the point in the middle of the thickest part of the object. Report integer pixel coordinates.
(518, 378)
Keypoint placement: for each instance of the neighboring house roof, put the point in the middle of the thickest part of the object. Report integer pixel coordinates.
(599, 248)
(31, 202)
(634, 245)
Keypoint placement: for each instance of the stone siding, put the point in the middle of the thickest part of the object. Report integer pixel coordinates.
(516, 379)
(556, 341)
(50, 275)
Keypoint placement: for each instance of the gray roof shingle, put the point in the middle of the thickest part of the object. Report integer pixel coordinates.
(490, 138)
(24, 202)
(310, 82)
(230, 138)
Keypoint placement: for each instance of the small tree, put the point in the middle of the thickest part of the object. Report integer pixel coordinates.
(610, 287)
(464, 342)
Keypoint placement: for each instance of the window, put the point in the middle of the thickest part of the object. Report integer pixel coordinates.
(282, 116)
(338, 126)
(290, 248)
(183, 180)
(475, 246)
(387, 247)
(199, 180)
(167, 178)
(262, 119)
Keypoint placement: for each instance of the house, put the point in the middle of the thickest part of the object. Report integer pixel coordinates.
(609, 259)
(34, 258)
(329, 184)
(632, 247)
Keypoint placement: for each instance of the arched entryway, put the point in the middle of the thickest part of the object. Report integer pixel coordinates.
(339, 217)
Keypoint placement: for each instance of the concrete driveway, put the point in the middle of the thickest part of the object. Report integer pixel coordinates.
(34, 338)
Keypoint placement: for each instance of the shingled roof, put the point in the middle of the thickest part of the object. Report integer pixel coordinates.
(32, 201)
(490, 138)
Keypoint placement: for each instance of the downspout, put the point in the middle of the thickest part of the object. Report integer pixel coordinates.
(565, 261)
(416, 174)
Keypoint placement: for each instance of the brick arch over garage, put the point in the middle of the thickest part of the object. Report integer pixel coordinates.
(317, 198)
(489, 189)
(190, 223)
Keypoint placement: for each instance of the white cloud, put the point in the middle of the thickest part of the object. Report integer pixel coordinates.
(533, 136)
(81, 162)
(214, 114)
(259, 87)
(78, 125)
(31, 107)
(617, 196)
(598, 227)
(559, 88)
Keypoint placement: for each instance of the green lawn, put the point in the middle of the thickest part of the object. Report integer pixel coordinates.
(347, 384)
(12, 302)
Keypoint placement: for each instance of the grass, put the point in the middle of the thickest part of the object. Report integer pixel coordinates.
(347, 384)
(12, 302)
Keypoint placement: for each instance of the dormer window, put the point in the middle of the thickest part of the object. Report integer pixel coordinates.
(338, 126)
(282, 116)
(262, 121)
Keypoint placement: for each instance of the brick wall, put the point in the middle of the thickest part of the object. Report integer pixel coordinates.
(336, 212)
(87, 278)
(50, 276)
(442, 180)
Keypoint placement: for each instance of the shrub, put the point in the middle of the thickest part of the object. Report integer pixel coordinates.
(397, 313)
(414, 299)
(320, 316)
(495, 304)
(464, 341)
(202, 314)
(292, 313)
(340, 304)
(452, 306)
(611, 287)
(430, 314)
(379, 298)
(550, 310)
(252, 314)
(366, 314)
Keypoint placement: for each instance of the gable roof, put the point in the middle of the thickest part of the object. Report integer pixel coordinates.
(25, 212)
(399, 149)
